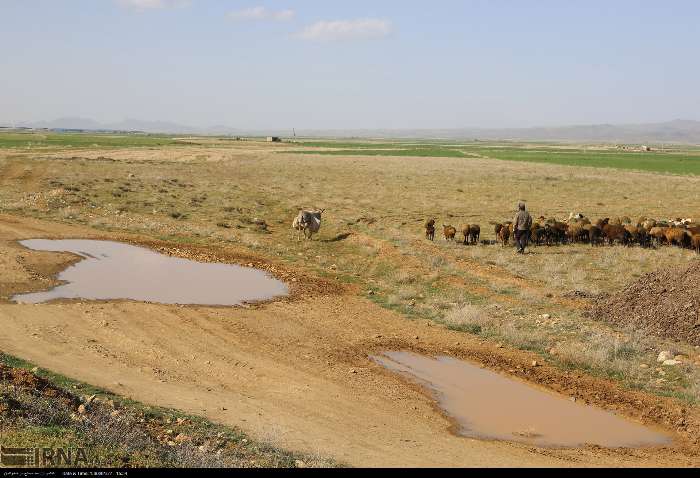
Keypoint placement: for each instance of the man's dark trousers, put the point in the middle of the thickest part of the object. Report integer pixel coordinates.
(521, 239)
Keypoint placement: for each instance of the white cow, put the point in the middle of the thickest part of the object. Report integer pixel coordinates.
(307, 221)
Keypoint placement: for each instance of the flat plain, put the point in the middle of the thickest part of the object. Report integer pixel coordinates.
(297, 373)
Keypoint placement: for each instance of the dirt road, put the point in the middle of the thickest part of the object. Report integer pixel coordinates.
(295, 372)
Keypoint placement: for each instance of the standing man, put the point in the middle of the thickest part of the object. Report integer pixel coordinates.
(521, 227)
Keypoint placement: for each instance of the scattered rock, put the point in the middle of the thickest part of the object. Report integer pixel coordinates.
(643, 366)
(545, 316)
(535, 363)
(352, 370)
(82, 409)
(671, 363)
(664, 355)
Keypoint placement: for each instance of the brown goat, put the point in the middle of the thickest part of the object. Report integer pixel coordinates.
(695, 242)
(449, 232)
(576, 232)
(503, 233)
(474, 233)
(694, 230)
(614, 232)
(537, 234)
(430, 229)
(464, 229)
(595, 234)
(677, 236)
(658, 233)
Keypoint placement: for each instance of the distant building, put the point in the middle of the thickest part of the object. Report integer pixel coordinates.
(274, 139)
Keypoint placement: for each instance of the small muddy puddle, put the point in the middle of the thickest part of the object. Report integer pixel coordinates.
(114, 270)
(488, 405)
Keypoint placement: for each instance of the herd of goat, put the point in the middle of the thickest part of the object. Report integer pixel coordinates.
(645, 232)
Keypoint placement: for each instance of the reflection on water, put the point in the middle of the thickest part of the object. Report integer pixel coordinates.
(114, 270)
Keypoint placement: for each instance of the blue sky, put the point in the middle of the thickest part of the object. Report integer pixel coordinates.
(359, 64)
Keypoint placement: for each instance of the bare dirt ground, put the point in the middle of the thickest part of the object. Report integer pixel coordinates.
(296, 372)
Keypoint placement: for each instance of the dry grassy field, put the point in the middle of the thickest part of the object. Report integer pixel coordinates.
(218, 194)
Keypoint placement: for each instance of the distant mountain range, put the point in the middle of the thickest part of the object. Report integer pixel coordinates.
(677, 131)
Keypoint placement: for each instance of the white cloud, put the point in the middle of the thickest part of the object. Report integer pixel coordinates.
(363, 28)
(153, 4)
(261, 13)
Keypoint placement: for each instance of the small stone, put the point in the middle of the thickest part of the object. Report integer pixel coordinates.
(671, 362)
(299, 464)
(370, 292)
(664, 355)
(499, 345)
(90, 399)
(82, 409)
(535, 363)
(352, 370)
(545, 316)
(643, 366)
(115, 413)
(35, 369)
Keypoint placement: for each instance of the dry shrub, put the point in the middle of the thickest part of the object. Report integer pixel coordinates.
(404, 277)
(602, 351)
(467, 318)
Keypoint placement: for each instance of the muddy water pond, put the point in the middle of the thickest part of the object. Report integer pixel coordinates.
(487, 405)
(115, 270)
